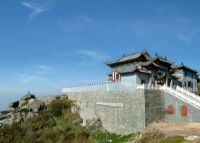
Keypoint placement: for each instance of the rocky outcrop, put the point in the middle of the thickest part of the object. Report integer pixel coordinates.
(94, 124)
(27, 107)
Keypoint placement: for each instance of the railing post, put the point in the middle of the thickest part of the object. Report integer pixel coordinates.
(107, 87)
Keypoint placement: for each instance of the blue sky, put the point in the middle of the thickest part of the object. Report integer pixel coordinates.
(48, 44)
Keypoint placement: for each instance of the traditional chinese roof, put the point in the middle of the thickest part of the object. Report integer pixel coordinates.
(134, 69)
(182, 66)
(150, 63)
(164, 60)
(130, 57)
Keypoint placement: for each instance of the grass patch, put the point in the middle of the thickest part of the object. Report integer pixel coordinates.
(175, 140)
(105, 137)
(160, 138)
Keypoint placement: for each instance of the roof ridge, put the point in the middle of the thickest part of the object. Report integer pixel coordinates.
(183, 65)
(126, 55)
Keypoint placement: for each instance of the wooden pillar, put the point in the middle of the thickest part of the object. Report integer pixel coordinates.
(156, 82)
(150, 82)
(171, 83)
(166, 79)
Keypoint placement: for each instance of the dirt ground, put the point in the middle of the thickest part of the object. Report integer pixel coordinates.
(170, 128)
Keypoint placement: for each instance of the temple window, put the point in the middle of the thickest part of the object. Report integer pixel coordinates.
(184, 110)
(170, 109)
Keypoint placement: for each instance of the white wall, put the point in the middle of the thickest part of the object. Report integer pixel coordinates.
(129, 80)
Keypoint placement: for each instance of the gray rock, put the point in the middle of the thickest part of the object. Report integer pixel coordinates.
(94, 124)
(23, 116)
(29, 115)
(9, 120)
(192, 138)
(17, 117)
(47, 99)
(35, 106)
(28, 96)
(14, 104)
(31, 100)
(22, 103)
(3, 116)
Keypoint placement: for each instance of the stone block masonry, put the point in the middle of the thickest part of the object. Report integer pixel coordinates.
(130, 112)
(177, 110)
(153, 106)
(120, 112)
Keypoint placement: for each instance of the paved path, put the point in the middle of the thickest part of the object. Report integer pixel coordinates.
(170, 128)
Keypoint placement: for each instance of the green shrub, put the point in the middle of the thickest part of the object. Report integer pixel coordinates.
(82, 137)
(57, 107)
(11, 133)
(44, 119)
(56, 124)
(48, 136)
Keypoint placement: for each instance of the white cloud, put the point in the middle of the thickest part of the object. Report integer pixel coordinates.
(35, 73)
(37, 8)
(42, 67)
(30, 78)
(93, 54)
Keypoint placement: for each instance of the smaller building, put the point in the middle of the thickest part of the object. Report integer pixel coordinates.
(186, 77)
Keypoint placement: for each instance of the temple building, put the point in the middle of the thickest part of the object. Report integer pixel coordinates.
(141, 68)
(186, 77)
(141, 89)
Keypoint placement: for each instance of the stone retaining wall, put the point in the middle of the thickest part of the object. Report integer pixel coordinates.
(130, 112)
(120, 112)
(182, 111)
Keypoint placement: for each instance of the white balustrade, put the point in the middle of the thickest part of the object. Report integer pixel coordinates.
(184, 95)
(141, 86)
(181, 93)
(147, 86)
(99, 87)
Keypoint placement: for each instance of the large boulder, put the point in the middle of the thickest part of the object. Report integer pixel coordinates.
(28, 96)
(13, 105)
(47, 99)
(17, 117)
(35, 106)
(94, 124)
(29, 115)
(2, 116)
(8, 120)
(22, 103)
(26, 108)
